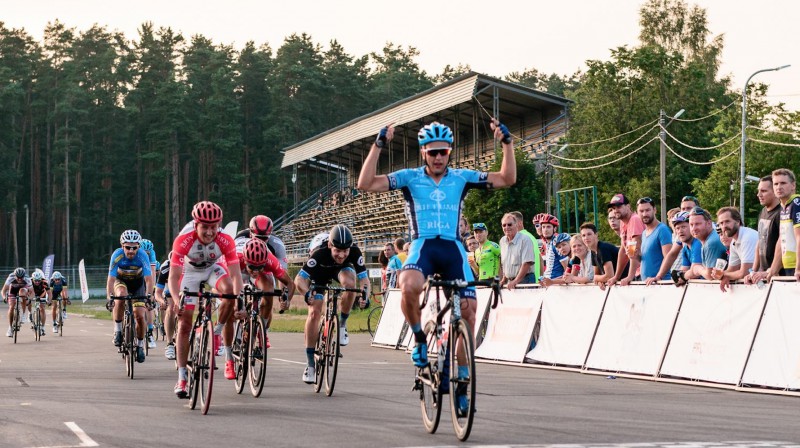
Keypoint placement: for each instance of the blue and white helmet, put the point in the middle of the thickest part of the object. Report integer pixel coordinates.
(147, 245)
(56, 276)
(560, 238)
(130, 236)
(434, 132)
(37, 275)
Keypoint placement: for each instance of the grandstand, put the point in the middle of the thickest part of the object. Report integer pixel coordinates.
(466, 103)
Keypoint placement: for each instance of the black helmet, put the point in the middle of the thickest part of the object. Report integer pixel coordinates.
(341, 237)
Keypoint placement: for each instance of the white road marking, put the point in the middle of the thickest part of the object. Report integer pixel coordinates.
(86, 441)
(286, 360)
(733, 444)
(341, 363)
(84, 331)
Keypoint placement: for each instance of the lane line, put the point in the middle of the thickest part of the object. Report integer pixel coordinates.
(342, 363)
(286, 360)
(85, 439)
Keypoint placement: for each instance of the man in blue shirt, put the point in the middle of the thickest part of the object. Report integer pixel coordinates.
(656, 239)
(702, 229)
(434, 197)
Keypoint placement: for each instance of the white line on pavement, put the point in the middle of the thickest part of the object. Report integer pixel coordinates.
(86, 441)
(286, 360)
(370, 363)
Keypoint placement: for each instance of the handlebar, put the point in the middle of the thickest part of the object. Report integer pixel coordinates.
(338, 289)
(210, 295)
(435, 281)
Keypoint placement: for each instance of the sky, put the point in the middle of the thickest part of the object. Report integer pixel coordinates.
(495, 38)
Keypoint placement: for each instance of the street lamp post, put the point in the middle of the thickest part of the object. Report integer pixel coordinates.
(744, 133)
(663, 158)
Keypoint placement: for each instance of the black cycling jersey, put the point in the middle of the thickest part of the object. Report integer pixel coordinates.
(321, 267)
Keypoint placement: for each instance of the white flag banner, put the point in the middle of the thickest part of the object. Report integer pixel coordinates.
(47, 266)
(231, 228)
(510, 327)
(714, 332)
(84, 285)
(634, 329)
(775, 359)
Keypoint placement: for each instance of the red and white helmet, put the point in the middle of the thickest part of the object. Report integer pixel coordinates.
(255, 252)
(549, 219)
(207, 212)
(260, 225)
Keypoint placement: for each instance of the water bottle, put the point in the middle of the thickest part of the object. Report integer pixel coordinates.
(759, 284)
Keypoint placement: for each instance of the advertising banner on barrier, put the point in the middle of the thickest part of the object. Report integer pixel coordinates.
(775, 358)
(510, 327)
(391, 324)
(634, 329)
(569, 320)
(714, 332)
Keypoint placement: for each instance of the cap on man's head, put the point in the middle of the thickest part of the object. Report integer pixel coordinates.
(618, 199)
(478, 226)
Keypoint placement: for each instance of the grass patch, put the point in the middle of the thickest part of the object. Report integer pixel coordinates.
(292, 321)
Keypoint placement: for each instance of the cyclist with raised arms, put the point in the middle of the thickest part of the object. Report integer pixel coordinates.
(203, 253)
(41, 295)
(17, 286)
(58, 291)
(261, 227)
(260, 268)
(338, 258)
(129, 273)
(434, 197)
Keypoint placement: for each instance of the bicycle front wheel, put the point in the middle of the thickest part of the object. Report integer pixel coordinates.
(430, 395)
(60, 319)
(462, 379)
(193, 365)
(206, 360)
(239, 351)
(37, 323)
(258, 356)
(16, 321)
(373, 319)
(319, 355)
(332, 350)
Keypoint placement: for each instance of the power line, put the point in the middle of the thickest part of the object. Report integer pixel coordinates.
(767, 142)
(614, 137)
(605, 155)
(707, 116)
(700, 148)
(693, 162)
(607, 163)
(775, 131)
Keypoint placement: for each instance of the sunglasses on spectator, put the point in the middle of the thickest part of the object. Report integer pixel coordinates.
(130, 247)
(253, 267)
(508, 224)
(699, 211)
(645, 201)
(690, 198)
(438, 152)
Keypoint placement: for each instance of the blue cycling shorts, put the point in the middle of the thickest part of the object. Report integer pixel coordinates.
(440, 256)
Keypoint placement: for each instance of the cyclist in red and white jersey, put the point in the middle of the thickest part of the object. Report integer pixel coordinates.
(261, 227)
(203, 253)
(260, 268)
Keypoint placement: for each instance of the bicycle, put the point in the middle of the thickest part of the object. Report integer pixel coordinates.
(129, 345)
(249, 346)
(200, 364)
(327, 351)
(36, 321)
(443, 344)
(15, 325)
(158, 321)
(374, 316)
(60, 314)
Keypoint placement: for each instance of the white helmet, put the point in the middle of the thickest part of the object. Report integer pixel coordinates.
(37, 275)
(130, 236)
(56, 276)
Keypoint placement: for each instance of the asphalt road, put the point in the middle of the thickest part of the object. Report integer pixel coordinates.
(73, 391)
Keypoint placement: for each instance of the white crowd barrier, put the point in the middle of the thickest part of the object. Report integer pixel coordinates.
(775, 358)
(510, 327)
(390, 326)
(635, 329)
(714, 333)
(569, 319)
(746, 338)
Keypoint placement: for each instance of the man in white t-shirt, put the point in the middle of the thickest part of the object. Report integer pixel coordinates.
(742, 250)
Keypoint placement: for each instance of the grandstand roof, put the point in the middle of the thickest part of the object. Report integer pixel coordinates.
(513, 101)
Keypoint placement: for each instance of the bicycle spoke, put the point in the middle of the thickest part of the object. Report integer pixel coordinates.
(462, 396)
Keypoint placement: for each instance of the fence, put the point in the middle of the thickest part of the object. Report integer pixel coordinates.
(745, 339)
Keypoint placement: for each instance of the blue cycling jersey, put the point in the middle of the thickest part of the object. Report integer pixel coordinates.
(126, 269)
(433, 210)
(151, 255)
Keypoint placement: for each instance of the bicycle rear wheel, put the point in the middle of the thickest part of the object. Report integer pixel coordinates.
(207, 371)
(258, 356)
(193, 366)
(373, 319)
(462, 384)
(239, 351)
(430, 395)
(332, 354)
(319, 356)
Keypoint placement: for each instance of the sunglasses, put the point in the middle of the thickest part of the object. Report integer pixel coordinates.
(132, 248)
(253, 267)
(690, 198)
(508, 224)
(479, 226)
(438, 152)
(645, 201)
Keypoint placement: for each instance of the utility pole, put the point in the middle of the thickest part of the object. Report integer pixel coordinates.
(662, 164)
(27, 237)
